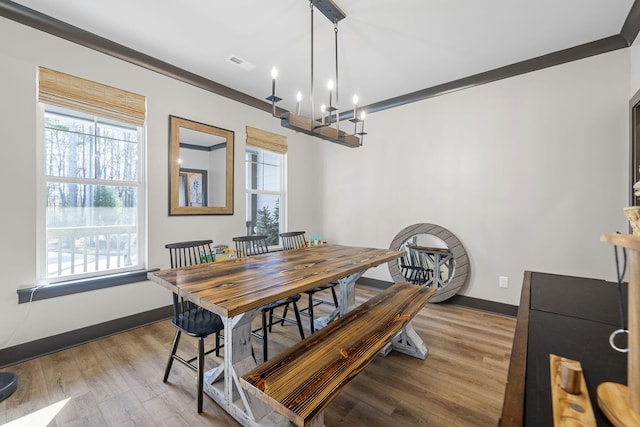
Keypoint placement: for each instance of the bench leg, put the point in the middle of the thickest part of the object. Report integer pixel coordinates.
(318, 421)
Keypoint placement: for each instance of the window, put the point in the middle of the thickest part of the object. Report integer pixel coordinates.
(265, 183)
(92, 199)
(265, 195)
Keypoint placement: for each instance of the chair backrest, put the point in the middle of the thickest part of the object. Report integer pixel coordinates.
(293, 240)
(183, 254)
(250, 245)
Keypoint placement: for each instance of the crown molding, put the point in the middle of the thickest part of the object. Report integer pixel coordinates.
(48, 24)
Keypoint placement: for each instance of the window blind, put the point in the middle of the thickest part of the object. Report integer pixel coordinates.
(266, 140)
(93, 98)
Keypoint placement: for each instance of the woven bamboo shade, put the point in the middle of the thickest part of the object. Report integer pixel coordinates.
(266, 140)
(93, 98)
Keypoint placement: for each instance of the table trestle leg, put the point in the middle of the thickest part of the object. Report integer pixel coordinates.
(347, 300)
(223, 385)
(409, 342)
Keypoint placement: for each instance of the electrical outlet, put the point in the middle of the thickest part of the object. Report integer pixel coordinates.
(504, 282)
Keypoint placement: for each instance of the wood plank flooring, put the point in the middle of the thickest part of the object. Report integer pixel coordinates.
(117, 381)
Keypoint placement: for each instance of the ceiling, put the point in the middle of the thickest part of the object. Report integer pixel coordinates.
(387, 49)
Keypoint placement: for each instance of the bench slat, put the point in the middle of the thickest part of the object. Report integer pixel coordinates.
(301, 381)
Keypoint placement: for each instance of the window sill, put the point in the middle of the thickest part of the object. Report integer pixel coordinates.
(60, 289)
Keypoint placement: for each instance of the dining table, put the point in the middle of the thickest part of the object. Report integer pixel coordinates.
(237, 288)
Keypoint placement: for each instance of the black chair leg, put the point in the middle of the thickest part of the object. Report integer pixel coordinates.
(335, 297)
(271, 319)
(284, 314)
(311, 317)
(200, 372)
(297, 313)
(217, 344)
(264, 337)
(174, 347)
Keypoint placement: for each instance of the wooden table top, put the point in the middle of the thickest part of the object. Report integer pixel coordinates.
(236, 286)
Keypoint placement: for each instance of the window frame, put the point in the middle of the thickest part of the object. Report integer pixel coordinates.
(282, 193)
(81, 282)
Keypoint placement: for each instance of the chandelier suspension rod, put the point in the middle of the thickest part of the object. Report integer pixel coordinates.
(313, 115)
(335, 30)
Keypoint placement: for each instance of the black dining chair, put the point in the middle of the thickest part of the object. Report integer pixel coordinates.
(414, 267)
(296, 240)
(293, 240)
(190, 318)
(257, 245)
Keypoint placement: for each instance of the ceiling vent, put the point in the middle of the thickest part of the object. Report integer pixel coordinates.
(245, 65)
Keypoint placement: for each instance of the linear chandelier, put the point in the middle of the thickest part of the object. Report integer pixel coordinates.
(327, 125)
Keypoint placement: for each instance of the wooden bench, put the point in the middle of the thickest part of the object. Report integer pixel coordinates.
(301, 381)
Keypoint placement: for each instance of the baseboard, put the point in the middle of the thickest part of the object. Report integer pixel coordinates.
(483, 305)
(30, 350)
(374, 283)
(475, 303)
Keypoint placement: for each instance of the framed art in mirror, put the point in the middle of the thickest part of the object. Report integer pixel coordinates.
(200, 168)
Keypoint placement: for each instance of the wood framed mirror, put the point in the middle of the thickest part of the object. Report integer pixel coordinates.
(452, 273)
(200, 168)
(634, 146)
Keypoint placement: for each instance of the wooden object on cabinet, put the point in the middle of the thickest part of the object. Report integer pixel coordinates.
(569, 409)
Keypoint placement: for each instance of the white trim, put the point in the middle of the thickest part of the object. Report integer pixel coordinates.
(91, 181)
(284, 205)
(41, 229)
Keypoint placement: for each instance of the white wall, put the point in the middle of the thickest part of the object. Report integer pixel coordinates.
(527, 172)
(635, 67)
(19, 61)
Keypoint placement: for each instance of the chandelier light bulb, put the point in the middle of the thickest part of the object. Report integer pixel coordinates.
(298, 98)
(330, 85)
(274, 74)
(362, 116)
(355, 107)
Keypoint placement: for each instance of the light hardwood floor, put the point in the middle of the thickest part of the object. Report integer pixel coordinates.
(117, 381)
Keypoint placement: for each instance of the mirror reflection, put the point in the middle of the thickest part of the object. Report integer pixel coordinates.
(201, 168)
(428, 261)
